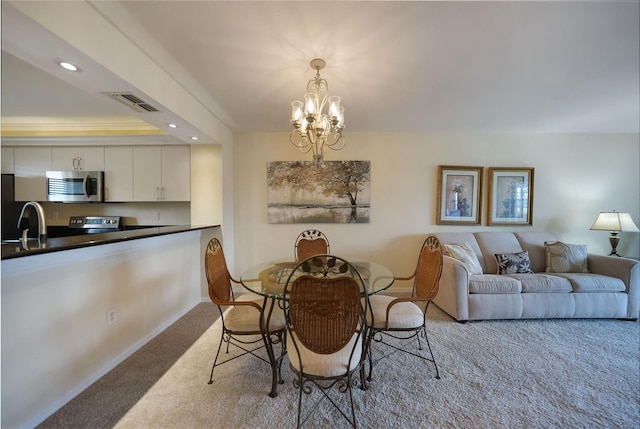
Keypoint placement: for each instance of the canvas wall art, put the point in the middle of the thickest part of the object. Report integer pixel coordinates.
(327, 192)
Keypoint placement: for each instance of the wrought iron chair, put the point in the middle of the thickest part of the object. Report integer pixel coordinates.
(402, 318)
(243, 322)
(311, 242)
(326, 308)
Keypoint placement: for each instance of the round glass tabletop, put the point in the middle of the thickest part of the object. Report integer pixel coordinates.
(269, 278)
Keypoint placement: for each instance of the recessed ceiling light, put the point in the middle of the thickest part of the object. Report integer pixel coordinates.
(194, 138)
(68, 66)
(172, 126)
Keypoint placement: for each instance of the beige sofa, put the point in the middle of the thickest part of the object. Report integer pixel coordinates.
(610, 288)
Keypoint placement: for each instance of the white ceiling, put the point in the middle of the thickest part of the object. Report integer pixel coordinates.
(557, 67)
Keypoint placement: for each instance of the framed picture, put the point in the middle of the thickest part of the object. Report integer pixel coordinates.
(459, 195)
(510, 196)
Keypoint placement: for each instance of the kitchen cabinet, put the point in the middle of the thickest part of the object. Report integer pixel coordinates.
(30, 166)
(118, 174)
(77, 158)
(7, 160)
(161, 173)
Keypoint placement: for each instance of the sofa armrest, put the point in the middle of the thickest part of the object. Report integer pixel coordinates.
(628, 270)
(453, 295)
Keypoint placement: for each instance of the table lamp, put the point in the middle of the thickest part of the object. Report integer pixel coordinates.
(615, 222)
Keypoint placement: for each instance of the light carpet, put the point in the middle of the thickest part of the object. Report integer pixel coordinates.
(494, 374)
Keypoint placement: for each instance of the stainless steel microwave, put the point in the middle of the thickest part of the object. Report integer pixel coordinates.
(75, 186)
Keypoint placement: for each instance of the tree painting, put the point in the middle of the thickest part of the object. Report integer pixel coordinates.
(327, 192)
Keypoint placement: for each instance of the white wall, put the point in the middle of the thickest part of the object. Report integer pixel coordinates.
(576, 177)
(206, 185)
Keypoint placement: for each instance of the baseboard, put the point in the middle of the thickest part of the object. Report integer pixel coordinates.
(48, 411)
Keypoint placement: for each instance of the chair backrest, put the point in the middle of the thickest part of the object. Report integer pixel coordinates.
(428, 269)
(310, 243)
(324, 298)
(218, 276)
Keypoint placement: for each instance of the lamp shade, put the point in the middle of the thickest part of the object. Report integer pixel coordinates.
(614, 221)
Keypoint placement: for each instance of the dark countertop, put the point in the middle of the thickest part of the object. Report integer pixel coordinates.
(15, 250)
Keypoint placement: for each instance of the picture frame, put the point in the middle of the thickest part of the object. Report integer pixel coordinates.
(510, 196)
(459, 195)
(311, 192)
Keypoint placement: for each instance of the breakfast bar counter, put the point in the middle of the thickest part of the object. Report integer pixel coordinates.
(75, 307)
(15, 248)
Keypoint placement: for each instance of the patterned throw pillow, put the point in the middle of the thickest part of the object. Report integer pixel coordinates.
(465, 254)
(566, 258)
(514, 263)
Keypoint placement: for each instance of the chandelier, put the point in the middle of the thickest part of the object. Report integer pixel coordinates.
(314, 130)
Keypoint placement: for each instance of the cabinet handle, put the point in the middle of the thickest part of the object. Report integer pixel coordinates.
(163, 193)
(80, 164)
(75, 163)
(158, 193)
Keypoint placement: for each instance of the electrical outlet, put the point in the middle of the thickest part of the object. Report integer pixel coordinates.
(111, 317)
(156, 215)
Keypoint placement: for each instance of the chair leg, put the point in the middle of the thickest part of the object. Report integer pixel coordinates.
(216, 359)
(301, 387)
(424, 330)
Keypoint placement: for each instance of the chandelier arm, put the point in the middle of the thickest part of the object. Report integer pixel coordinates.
(300, 140)
(337, 141)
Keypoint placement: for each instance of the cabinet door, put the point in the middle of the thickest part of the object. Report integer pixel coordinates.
(90, 158)
(176, 173)
(77, 158)
(7, 160)
(147, 177)
(31, 164)
(64, 158)
(118, 174)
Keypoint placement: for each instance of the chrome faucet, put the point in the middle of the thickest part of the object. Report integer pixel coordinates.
(42, 223)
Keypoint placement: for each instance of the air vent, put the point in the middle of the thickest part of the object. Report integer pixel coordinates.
(136, 103)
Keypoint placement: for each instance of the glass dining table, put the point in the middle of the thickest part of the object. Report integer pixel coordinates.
(270, 278)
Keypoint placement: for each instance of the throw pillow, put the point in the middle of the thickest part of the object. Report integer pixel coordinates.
(566, 258)
(514, 263)
(465, 254)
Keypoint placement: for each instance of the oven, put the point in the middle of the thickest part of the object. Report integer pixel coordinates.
(82, 225)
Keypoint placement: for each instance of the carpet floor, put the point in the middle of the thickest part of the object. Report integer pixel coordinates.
(494, 374)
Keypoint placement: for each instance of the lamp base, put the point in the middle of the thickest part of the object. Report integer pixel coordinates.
(614, 240)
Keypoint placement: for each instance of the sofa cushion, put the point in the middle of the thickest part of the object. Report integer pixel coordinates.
(589, 282)
(492, 242)
(533, 242)
(533, 283)
(461, 238)
(465, 254)
(493, 283)
(566, 258)
(513, 263)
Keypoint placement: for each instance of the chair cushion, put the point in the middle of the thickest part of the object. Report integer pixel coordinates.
(244, 318)
(465, 254)
(321, 365)
(566, 258)
(513, 263)
(404, 315)
(493, 283)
